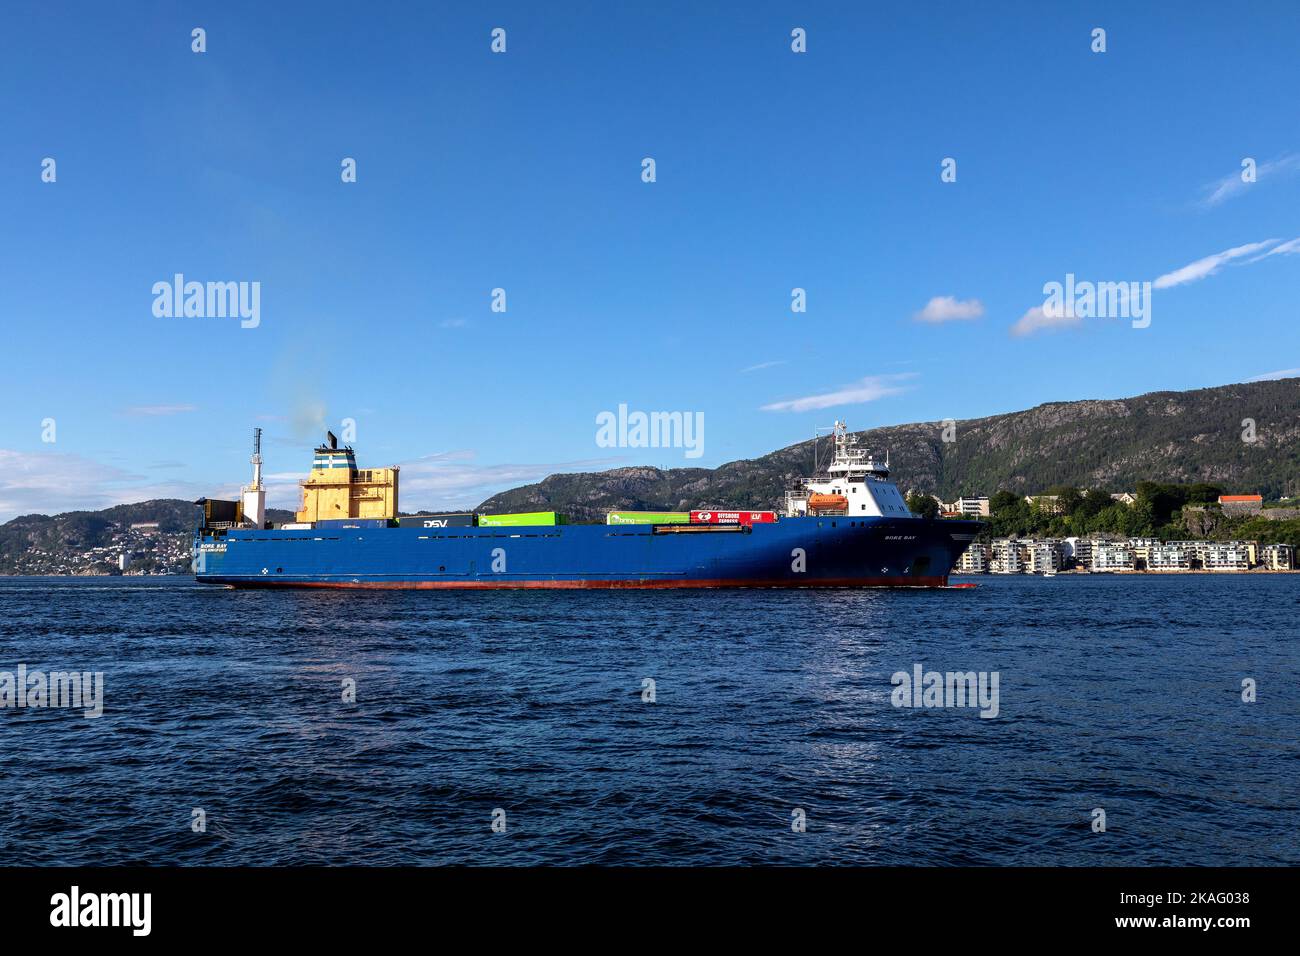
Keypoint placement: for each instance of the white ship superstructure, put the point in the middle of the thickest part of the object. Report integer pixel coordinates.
(854, 485)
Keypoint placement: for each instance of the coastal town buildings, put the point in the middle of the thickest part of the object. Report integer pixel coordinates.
(1278, 557)
(1172, 556)
(1227, 556)
(974, 560)
(128, 550)
(977, 507)
(1111, 556)
(1008, 556)
(1045, 556)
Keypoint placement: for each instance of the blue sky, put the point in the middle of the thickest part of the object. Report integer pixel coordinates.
(523, 171)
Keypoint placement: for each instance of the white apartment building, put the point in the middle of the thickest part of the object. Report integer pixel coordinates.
(1045, 556)
(1227, 556)
(1008, 556)
(974, 560)
(1278, 557)
(1110, 556)
(1078, 551)
(1171, 556)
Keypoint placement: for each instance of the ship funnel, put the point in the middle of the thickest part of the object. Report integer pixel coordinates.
(334, 442)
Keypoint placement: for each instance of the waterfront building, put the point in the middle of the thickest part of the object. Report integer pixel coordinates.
(1171, 556)
(1111, 556)
(1227, 556)
(1007, 556)
(975, 559)
(1279, 557)
(1141, 548)
(1045, 556)
(1078, 552)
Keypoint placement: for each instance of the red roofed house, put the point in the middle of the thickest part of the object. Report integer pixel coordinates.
(1241, 503)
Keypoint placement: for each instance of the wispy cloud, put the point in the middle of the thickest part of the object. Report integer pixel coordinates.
(1288, 248)
(865, 390)
(455, 480)
(1209, 265)
(154, 410)
(1274, 376)
(1221, 190)
(453, 323)
(946, 308)
(1039, 319)
(762, 365)
(53, 482)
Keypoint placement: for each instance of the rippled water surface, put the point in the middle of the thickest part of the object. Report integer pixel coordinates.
(1118, 693)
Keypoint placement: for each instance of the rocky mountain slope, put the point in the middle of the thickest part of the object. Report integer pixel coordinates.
(1110, 444)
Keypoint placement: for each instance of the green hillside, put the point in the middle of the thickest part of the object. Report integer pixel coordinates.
(1182, 437)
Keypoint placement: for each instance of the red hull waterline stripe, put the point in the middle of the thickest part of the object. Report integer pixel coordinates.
(918, 582)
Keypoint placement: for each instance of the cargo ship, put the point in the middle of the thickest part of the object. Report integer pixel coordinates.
(847, 526)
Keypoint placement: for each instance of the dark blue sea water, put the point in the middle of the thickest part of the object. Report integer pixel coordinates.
(1118, 693)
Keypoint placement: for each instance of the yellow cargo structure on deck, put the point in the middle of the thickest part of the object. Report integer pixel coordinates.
(337, 489)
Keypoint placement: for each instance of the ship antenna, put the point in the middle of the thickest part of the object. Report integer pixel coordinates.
(257, 459)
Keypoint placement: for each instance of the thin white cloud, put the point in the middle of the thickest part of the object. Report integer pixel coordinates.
(453, 480)
(762, 365)
(1289, 248)
(154, 410)
(1039, 319)
(1231, 185)
(1274, 376)
(53, 482)
(946, 308)
(453, 323)
(1209, 265)
(866, 390)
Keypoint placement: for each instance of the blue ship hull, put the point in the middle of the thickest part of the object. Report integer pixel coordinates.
(791, 552)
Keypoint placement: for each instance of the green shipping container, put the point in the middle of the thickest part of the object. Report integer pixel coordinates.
(648, 517)
(520, 520)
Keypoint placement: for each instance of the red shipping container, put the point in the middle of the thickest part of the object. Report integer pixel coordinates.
(732, 517)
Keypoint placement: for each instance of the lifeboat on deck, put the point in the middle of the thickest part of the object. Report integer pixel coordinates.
(827, 504)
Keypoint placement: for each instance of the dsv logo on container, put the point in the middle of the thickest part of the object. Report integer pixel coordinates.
(75, 909)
